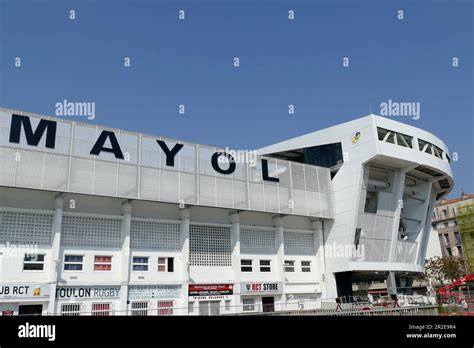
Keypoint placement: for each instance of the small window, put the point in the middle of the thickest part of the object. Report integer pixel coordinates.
(101, 309)
(165, 307)
(248, 304)
(289, 266)
(102, 263)
(246, 265)
(227, 305)
(140, 308)
(71, 309)
(190, 307)
(165, 264)
(140, 263)
(73, 262)
(305, 266)
(33, 262)
(265, 266)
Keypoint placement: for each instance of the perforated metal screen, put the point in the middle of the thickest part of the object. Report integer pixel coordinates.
(84, 231)
(406, 251)
(144, 173)
(297, 243)
(161, 236)
(209, 245)
(26, 228)
(256, 241)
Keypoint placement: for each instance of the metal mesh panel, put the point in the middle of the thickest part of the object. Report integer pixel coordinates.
(366, 246)
(91, 232)
(82, 174)
(256, 196)
(55, 172)
(29, 169)
(299, 202)
(187, 188)
(105, 178)
(42, 168)
(150, 183)
(271, 198)
(224, 187)
(209, 245)
(297, 175)
(240, 194)
(7, 169)
(26, 228)
(127, 181)
(311, 175)
(378, 250)
(299, 243)
(255, 241)
(160, 236)
(406, 252)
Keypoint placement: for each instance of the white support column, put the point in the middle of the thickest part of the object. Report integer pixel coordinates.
(185, 269)
(318, 239)
(125, 270)
(234, 218)
(55, 250)
(280, 259)
(279, 240)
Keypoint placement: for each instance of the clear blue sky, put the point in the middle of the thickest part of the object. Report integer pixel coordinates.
(282, 62)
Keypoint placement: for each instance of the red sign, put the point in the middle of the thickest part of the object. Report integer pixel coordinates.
(211, 289)
(7, 312)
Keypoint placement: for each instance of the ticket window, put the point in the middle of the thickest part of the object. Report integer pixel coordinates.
(30, 309)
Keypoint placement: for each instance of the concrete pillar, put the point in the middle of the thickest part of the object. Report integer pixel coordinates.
(234, 218)
(391, 283)
(55, 250)
(279, 240)
(235, 243)
(125, 270)
(185, 270)
(318, 238)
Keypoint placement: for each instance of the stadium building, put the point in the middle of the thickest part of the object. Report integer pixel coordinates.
(100, 221)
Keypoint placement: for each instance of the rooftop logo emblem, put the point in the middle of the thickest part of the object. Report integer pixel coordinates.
(355, 138)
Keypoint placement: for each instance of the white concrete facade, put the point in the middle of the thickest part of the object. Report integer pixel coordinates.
(107, 239)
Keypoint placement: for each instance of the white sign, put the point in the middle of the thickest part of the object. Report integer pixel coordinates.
(150, 292)
(11, 291)
(261, 288)
(88, 292)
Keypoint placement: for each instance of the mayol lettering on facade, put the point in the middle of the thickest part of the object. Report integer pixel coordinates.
(33, 137)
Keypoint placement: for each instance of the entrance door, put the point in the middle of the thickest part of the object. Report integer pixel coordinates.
(209, 307)
(268, 304)
(30, 309)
